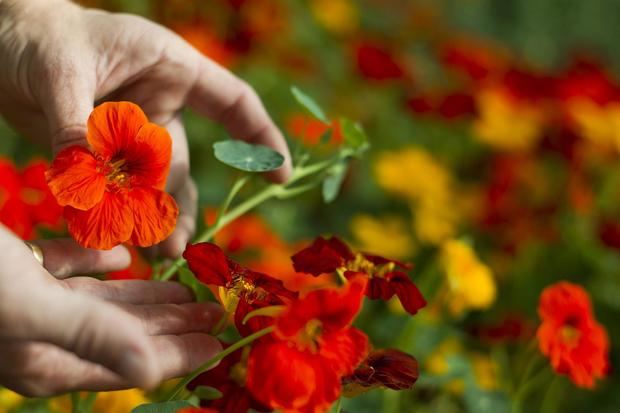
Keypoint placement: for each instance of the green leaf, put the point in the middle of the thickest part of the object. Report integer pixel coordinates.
(201, 291)
(354, 135)
(326, 137)
(247, 157)
(309, 104)
(333, 182)
(207, 393)
(165, 407)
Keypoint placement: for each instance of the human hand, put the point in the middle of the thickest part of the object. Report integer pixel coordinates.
(58, 335)
(58, 59)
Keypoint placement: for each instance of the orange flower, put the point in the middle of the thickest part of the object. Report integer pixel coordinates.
(139, 269)
(113, 191)
(570, 336)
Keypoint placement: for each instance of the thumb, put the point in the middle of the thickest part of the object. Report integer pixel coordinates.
(67, 100)
(93, 330)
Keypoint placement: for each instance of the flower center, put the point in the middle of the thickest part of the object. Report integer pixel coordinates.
(363, 264)
(116, 173)
(309, 337)
(570, 335)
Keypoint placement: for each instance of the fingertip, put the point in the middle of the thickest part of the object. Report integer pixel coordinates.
(174, 245)
(118, 258)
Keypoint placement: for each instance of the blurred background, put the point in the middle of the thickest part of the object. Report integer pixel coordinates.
(495, 132)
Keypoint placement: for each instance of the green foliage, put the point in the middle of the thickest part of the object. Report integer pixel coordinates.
(247, 157)
(165, 407)
(207, 393)
(307, 103)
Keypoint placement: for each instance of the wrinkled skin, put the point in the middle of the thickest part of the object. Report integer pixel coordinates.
(59, 335)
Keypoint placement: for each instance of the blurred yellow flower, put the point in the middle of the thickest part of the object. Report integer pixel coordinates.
(122, 401)
(599, 124)
(338, 16)
(470, 283)
(387, 236)
(506, 125)
(485, 371)
(9, 400)
(414, 174)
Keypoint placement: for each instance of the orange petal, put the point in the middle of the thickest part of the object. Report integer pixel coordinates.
(112, 126)
(74, 178)
(148, 156)
(154, 214)
(104, 226)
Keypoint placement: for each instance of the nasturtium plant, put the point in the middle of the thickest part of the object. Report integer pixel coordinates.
(309, 104)
(247, 157)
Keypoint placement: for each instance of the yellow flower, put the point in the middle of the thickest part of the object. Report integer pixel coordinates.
(506, 125)
(470, 283)
(599, 124)
(338, 16)
(417, 176)
(412, 173)
(485, 371)
(9, 400)
(122, 401)
(386, 236)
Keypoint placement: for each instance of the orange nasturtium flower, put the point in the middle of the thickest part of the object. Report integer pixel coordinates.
(570, 336)
(113, 191)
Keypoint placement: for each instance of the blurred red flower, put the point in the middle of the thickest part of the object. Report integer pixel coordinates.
(386, 277)
(114, 191)
(312, 348)
(570, 336)
(389, 368)
(139, 269)
(376, 62)
(241, 289)
(310, 130)
(25, 199)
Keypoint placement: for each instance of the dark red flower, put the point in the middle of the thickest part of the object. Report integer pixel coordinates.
(313, 346)
(241, 289)
(389, 368)
(586, 79)
(375, 62)
(229, 378)
(386, 277)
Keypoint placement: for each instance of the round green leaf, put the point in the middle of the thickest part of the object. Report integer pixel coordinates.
(247, 157)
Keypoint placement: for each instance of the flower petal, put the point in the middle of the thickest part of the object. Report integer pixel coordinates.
(75, 180)
(399, 284)
(104, 226)
(208, 263)
(112, 126)
(148, 156)
(154, 215)
(323, 256)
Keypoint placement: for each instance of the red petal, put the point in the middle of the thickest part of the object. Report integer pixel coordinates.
(112, 126)
(75, 180)
(208, 262)
(36, 193)
(344, 349)
(154, 215)
(399, 284)
(104, 226)
(335, 308)
(323, 256)
(389, 368)
(148, 156)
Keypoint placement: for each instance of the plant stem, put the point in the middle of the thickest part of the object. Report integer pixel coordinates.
(214, 360)
(273, 190)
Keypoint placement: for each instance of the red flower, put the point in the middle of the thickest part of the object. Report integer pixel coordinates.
(113, 192)
(383, 368)
(196, 410)
(25, 199)
(241, 289)
(312, 348)
(385, 276)
(569, 335)
(229, 378)
(375, 62)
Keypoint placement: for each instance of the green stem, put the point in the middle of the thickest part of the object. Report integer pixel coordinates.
(273, 190)
(536, 382)
(75, 402)
(338, 405)
(219, 356)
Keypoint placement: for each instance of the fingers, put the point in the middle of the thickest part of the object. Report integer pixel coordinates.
(67, 93)
(187, 199)
(93, 330)
(131, 291)
(176, 318)
(221, 96)
(41, 370)
(64, 258)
